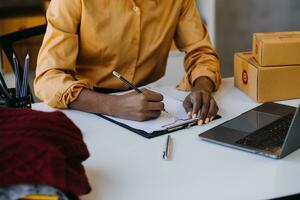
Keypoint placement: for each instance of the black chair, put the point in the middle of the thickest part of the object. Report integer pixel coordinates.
(21, 43)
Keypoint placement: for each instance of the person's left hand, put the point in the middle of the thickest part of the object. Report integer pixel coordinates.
(200, 102)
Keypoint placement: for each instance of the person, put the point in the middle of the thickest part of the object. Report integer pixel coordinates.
(86, 40)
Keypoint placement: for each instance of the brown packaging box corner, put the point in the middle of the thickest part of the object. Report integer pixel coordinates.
(265, 84)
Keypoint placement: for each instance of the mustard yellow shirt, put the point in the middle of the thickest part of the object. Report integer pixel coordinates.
(87, 39)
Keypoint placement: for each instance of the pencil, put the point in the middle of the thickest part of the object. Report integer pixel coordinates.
(3, 82)
(121, 78)
(4, 91)
(17, 75)
(25, 77)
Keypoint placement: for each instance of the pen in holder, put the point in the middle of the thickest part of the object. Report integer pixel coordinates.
(17, 97)
(20, 102)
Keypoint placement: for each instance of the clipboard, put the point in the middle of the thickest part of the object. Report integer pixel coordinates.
(168, 128)
(175, 119)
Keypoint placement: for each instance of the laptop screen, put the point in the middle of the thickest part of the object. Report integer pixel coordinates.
(251, 121)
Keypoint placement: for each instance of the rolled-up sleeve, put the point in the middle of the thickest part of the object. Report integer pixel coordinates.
(192, 37)
(56, 82)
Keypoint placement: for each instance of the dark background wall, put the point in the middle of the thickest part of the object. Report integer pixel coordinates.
(237, 20)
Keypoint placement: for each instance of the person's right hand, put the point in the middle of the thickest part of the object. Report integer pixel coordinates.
(137, 106)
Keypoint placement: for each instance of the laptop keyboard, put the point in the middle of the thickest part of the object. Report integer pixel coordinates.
(271, 137)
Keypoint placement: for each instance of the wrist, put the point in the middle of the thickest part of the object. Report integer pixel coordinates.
(203, 83)
(107, 104)
(90, 101)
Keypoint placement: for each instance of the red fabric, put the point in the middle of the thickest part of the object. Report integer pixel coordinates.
(42, 148)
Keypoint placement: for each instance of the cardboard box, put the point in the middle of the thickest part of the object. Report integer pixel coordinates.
(277, 48)
(265, 84)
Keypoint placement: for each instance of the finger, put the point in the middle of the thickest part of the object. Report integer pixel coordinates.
(152, 96)
(188, 106)
(197, 103)
(204, 109)
(153, 114)
(215, 112)
(211, 110)
(152, 106)
(144, 116)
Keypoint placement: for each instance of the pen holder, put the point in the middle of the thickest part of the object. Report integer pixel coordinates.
(21, 102)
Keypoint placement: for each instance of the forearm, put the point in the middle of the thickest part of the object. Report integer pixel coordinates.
(90, 101)
(203, 83)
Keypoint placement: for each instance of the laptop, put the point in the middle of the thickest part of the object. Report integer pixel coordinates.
(271, 130)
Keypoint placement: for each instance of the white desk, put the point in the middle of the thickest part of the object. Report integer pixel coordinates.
(124, 165)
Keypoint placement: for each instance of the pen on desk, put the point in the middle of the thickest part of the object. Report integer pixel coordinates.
(167, 152)
(17, 75)
(25, 77)
(121, 78)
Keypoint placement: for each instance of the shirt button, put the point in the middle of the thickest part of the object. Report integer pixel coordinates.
(135, 8)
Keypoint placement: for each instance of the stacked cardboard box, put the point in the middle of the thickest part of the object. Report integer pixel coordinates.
(271, 72)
